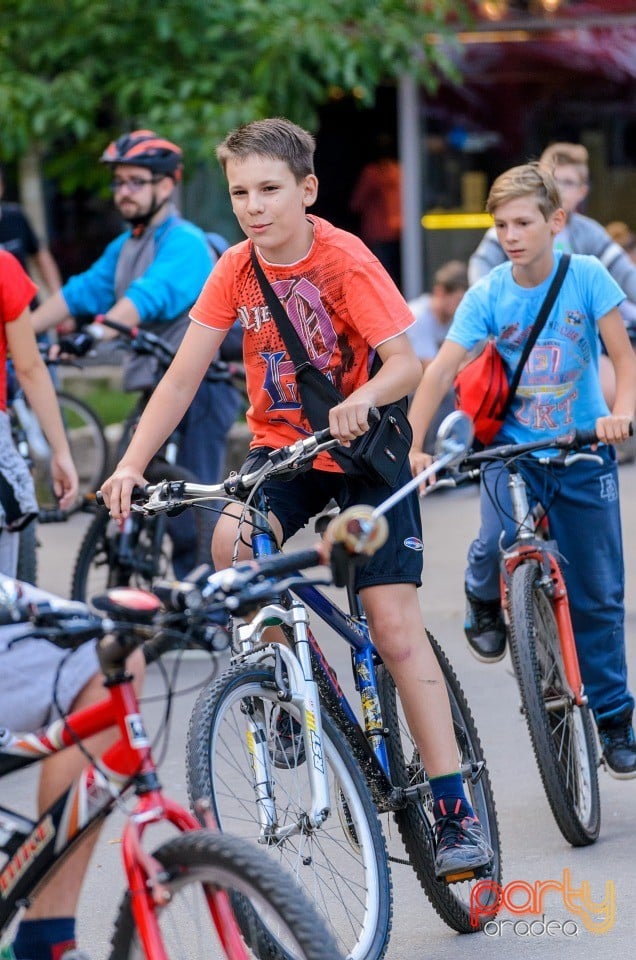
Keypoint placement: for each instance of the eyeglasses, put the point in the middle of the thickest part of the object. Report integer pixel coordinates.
(568, 184)
(134, 184)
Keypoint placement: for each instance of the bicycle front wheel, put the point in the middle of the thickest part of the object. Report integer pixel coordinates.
(561, 732)
(453, 902)
(341, 864)
(102, 562)
(200, 862)
(89, 449)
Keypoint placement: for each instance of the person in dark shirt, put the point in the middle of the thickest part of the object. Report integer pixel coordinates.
(18, 237)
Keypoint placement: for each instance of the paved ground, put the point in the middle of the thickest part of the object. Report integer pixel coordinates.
(533, 849)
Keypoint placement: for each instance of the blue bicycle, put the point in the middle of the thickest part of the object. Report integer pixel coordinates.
(278, 748)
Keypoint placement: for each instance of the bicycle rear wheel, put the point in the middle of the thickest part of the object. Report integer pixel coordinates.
(452, 902)
(561, 732)
(89, 449)
(342, 864)
(271, 908)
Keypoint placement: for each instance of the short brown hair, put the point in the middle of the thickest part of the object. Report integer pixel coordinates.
(276, 138)
(567, 154)
(452, 276)
(530, 179)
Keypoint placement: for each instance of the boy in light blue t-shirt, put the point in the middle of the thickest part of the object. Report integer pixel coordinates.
(559, 390)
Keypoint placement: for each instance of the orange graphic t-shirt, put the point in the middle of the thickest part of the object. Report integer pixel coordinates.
(342, 304)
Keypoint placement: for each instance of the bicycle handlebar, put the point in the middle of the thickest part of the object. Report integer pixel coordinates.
(146, 342)
(172, 495)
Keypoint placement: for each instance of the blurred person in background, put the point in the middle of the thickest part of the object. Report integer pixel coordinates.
(433, 314)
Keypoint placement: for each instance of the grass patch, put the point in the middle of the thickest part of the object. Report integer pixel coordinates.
(109, 403)
(112, 406)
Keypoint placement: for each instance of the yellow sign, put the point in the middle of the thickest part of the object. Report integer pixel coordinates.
(456, 221)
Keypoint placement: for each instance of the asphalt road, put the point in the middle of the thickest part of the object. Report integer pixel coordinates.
(533, 850)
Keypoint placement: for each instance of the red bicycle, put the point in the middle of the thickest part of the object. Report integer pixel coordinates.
(201, 894)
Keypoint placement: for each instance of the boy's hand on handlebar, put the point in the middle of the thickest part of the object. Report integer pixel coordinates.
(420, 461)
(613, 429)
(350, 419)
(117, 490)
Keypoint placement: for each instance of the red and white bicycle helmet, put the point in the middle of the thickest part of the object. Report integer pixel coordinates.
(143, 148)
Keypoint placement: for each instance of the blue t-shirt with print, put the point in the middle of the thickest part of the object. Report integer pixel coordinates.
(559, 387)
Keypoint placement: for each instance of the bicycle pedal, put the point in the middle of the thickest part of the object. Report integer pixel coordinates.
(475, 873)
(459, 877)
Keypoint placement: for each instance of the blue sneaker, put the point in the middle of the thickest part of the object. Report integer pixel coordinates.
(462, 850)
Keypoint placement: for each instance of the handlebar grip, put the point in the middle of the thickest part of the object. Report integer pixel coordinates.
(283, 563)
(115, 325)
(584, 438)
(137, 495)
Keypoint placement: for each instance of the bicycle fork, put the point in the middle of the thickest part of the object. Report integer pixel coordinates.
(294, 684)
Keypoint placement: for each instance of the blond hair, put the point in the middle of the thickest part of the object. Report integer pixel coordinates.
(530, 179)
(567, 154)
(275, 138)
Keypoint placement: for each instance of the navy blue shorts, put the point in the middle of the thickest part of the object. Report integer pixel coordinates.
(294, 502)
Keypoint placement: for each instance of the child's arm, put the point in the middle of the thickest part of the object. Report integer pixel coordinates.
(165, 410)
(399, 374)
(437, 380)
(37, 384)
(615, 427)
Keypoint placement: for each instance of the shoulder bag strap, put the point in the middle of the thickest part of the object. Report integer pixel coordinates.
(295, 346)
(537, 327)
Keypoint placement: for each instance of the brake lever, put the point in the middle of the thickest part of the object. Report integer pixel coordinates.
(571, 458)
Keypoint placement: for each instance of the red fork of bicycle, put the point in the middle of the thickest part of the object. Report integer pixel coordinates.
(561, 609)
(147, 885)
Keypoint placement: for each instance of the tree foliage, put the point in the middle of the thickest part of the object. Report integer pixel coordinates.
(75, 72)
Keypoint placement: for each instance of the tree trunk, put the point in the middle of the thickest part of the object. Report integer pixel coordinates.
(32, 193)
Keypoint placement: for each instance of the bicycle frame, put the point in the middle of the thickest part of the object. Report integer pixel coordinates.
(303, 689)
(35, 848)
(528, 547)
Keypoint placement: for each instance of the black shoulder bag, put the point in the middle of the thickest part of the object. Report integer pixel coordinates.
(378, 455)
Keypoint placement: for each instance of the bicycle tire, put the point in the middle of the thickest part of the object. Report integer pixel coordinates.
(89, 450)
(562, 733)
(98, 567)
(27, 568)
(452, 902)
(255, 884)
(343, 864)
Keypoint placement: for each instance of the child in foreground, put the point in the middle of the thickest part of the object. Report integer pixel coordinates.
(345, 308)
(559, 390)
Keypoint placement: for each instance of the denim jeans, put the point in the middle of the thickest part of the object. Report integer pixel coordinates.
(584, 515)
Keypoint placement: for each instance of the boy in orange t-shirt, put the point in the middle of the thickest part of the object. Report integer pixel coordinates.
(345, 308)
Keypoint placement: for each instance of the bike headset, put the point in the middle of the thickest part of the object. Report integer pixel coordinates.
(144, 148)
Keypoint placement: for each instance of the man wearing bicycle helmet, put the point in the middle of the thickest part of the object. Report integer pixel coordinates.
(151, 275)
